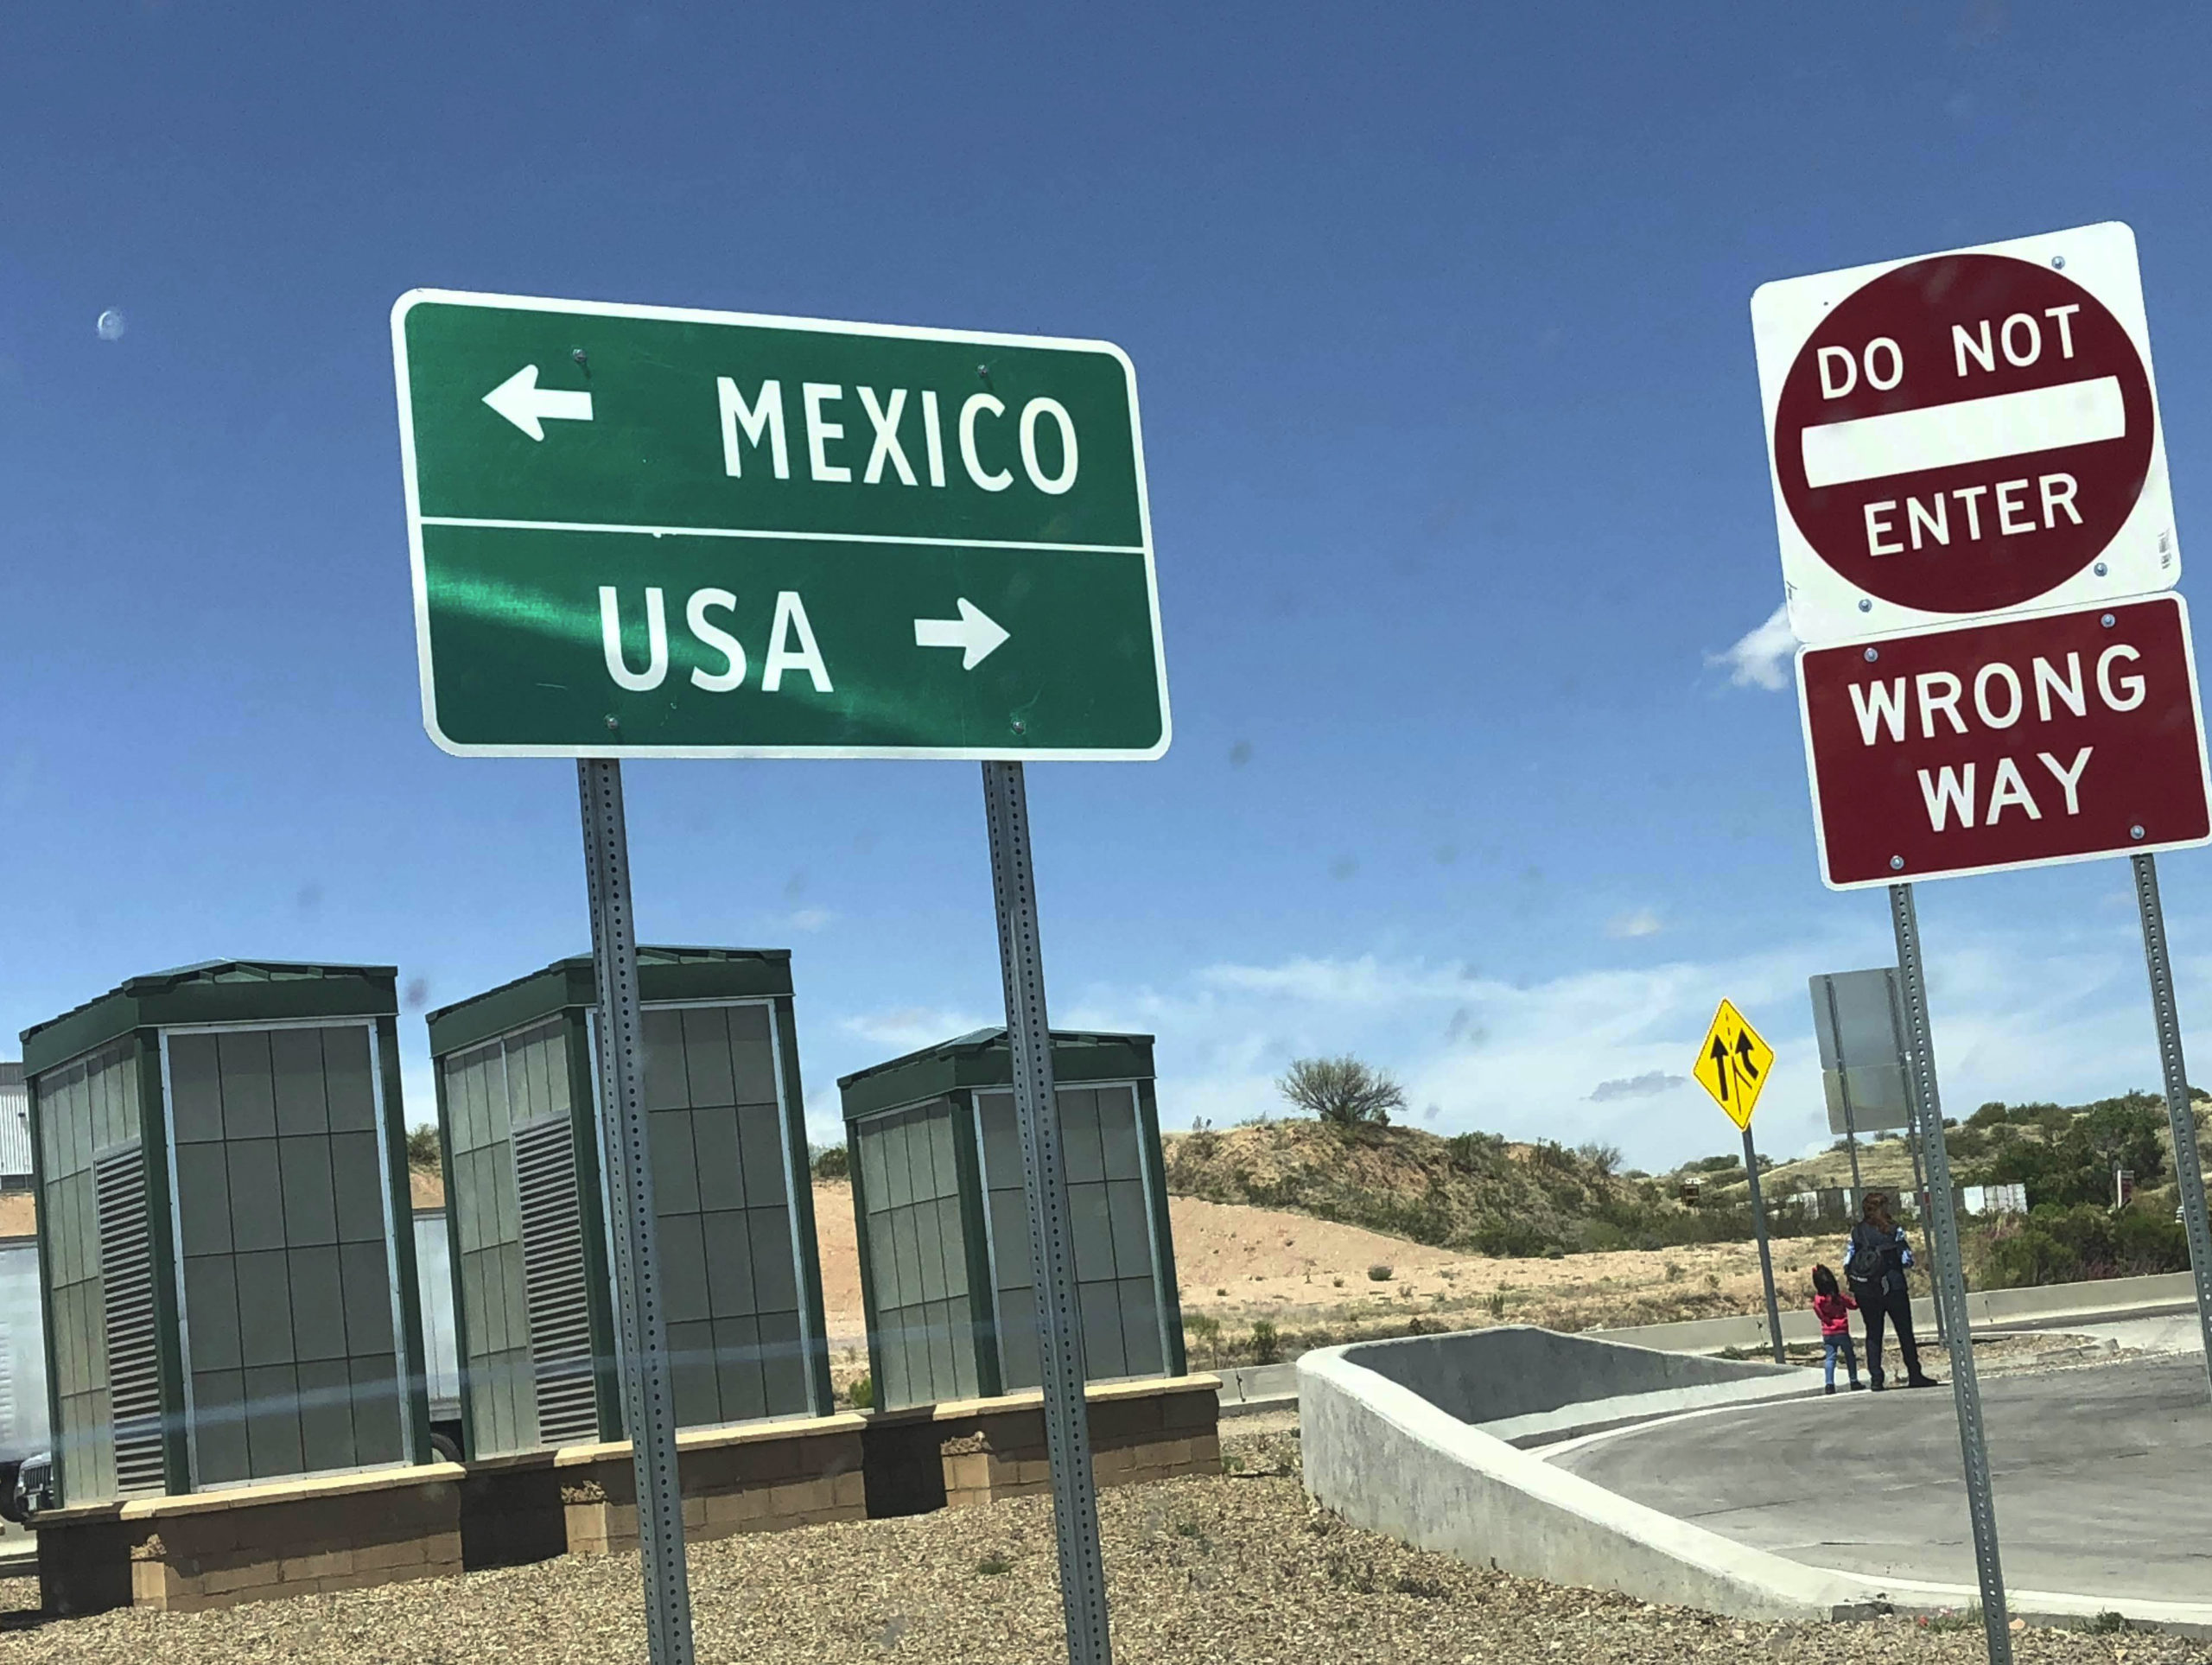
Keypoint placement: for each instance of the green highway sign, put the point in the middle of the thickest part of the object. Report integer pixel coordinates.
(646, 532)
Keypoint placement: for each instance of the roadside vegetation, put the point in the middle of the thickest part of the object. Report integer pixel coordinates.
(1342, 1159)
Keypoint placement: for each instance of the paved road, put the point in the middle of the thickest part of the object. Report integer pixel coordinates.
(2101, 1477)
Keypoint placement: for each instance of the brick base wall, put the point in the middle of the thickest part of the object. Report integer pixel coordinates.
(767, 1477)
(1140, 1431)
(351, 1532)
(249, 1543)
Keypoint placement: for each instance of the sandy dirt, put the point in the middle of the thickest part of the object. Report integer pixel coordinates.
(1237, 1265)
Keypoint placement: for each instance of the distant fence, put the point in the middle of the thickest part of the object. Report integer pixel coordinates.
(1840, 1203)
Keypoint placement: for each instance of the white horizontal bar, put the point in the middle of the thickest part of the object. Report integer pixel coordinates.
(1970, 430)
(755, 531)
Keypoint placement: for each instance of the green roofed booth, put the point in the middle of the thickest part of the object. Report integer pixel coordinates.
(225, 1252)
(526, 1194)
(943, 1225)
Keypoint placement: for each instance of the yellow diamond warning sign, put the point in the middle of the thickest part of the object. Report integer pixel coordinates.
(1733, 1064)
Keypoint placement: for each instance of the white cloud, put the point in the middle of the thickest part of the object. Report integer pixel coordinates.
(910, 1028)
(1364, 982)
(1760, 658)
(1638, 922)
(1647, 1085)
(2019, 1013)
(809, 919)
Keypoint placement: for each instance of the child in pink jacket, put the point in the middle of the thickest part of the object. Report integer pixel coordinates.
(1833, 1308)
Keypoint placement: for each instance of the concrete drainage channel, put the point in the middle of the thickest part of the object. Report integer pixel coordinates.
(1433, 1440)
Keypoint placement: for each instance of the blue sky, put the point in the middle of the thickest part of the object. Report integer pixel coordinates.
(1439, 316)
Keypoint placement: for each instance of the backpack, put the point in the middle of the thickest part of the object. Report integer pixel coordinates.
(1875, 1262)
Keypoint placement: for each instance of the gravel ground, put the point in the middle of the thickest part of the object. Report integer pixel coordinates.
(1234, 1568)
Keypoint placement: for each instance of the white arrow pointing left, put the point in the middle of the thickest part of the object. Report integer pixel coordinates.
(527, 405)
(975, 633)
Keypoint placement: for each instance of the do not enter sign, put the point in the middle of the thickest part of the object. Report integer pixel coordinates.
(1965, 434)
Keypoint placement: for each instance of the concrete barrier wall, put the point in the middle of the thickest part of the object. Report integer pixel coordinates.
(1512, 1371)
(1385, 1458)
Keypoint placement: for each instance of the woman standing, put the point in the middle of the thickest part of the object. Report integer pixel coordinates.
(1875, 1260)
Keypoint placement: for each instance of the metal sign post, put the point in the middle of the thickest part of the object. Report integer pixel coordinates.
(1733, 1063)
(1766, 1256)
(1052, 1246)
(1843, 1086)
(1950, 1284)
(2189, 1171)
(648, 1399)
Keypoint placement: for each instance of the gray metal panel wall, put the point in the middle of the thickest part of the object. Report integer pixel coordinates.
(923, 1326)
(1117, 1275)
(731, 1279)
(86, 1105)
(287, 1274)
(488, 1089)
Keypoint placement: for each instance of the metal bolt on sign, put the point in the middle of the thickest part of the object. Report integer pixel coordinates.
(1051, 1245)
(648, 1396)
(1950, 1284)
(2189, 1171)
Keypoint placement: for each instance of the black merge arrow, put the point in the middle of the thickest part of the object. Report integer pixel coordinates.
(1721, 1063)
(1744, 1057)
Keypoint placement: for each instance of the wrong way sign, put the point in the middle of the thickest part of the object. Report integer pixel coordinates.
(1965, 434)
(2019, 742)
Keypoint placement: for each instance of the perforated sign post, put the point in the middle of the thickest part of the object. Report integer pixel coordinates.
(1964, 434)
(642, 531)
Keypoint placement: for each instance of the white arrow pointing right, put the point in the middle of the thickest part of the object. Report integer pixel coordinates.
(524, 403)
(975, 633)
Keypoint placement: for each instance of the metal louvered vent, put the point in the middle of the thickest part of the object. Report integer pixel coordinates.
(554, 1289)
(127, 1280)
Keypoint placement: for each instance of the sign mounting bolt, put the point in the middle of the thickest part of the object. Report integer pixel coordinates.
(1897, 864)
(2058, 262)
(614, 722)
(2101, 569)
(1866, 606)
(583, 360)
(2108, 621)
(2135, 832)
(1872, 655)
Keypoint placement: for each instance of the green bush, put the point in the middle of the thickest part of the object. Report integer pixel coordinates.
(2072, 1163)
(862, 1394)
(1343, 1090)
(1266, 1345)
(422, 1147)
(833, 1162)
(2073, 1245)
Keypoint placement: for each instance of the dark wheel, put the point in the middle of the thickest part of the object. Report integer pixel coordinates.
(444, 1449)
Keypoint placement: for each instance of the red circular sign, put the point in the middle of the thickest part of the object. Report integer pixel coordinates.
(1964, 434)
